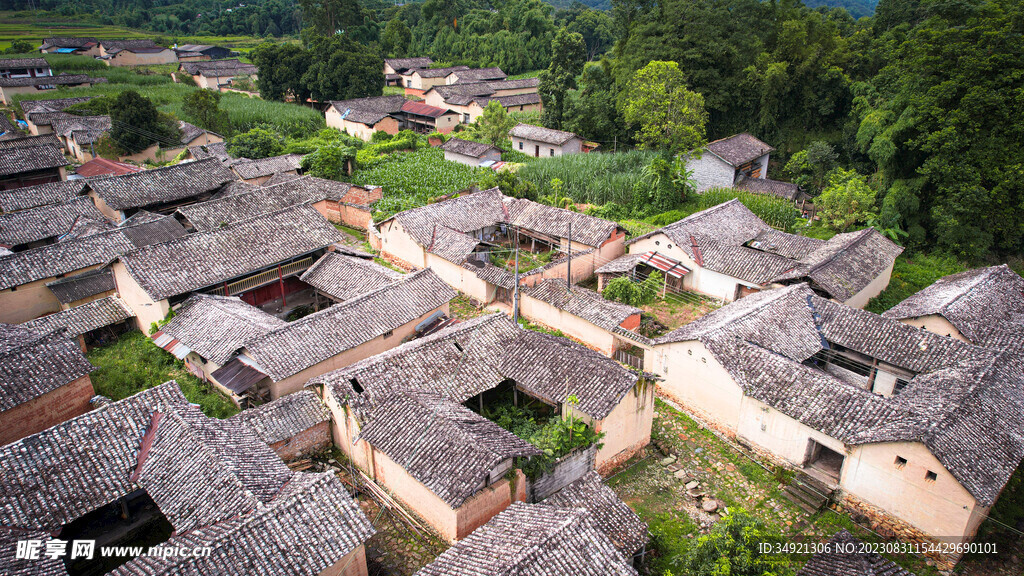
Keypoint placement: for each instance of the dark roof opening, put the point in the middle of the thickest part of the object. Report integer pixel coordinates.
(356, 386)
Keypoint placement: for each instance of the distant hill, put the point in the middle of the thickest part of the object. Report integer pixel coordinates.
(599, 4)
(856, 8)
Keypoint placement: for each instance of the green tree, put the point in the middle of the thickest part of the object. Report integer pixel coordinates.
(21, 47)
(597, 29)
(493, 125)
(631, 293)
(395, 39)
(330, 17)
(328, 161)
(668, 116)
(256, 143)
(202, 108)
(591, 110)
(568, 55)
(341, 68)
(810, 168)
(733, 548)
(136, 124)
(282, 67)
(847, 200)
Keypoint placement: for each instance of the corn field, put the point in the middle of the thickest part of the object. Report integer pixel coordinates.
(595, 178)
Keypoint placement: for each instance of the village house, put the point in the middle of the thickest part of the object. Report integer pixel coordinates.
(102, 167)
(24, 68)
(897, 420)
(79, 134)
(201, 52)
(9, 87)
(30, 162)
(454, 238)
(81, 288)
(95, 322)
(362, 117)
(44, 378)
(338, 202)
(418, 80)
(727, 252)
(86, 46)
(26, 277)
(469, 100)
(470, 153)
(218, 74)
(134, 53)
(395, 67)
(161, 190)
(44, 224)
(153, 279)
(533, 539)
(339, 276)
(721, 163)
(538, 141)
(984, 306)
(155, 465)
(191, 135)
(425, 119)
(466, 361)
(258, 172)
(581, 314)
(294, 426)
(38, 113)
(473, 75)
(844, 556)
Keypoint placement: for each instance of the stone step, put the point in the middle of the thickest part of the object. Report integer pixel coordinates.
(812, 499)
(800, 503)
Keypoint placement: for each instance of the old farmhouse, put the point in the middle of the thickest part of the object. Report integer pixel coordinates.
(161, 190)
(539, 141)
(134, 53)
(218, 74)
(31, 161)
(471, 153)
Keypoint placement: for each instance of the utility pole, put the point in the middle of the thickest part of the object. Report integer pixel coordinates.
(515, 287)
(568, 262)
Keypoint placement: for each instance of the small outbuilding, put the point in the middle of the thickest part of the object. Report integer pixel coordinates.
(470, 153)
(539, 142)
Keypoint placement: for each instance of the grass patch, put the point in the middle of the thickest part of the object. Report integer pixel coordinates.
(595, 178)
(911, 273)
(354, 232)
(133, 364)
(538, 328)
(461, 307)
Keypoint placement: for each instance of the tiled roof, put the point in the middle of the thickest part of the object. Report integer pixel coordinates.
(160, 185)
(190, 132)
(581, 302)
(217, 150)
(834, 561)
(421, 109)
(479, 75)
(236, 187)
(262, 200)
(282, 177)
(846, 263)
(130, 45)
(786, 190)
(621, 265)
(607, 511)
(218, 326)
(214, 256)
(232, 67)
(470, 357)
(44, 221)
(468, 147)
(437, 72)
(66, 42)
(371, 110)
(985, 304)
(102, 167)
(345, 277)
(447, 447)
(285, 417)
(739, 149)
(81, 286)
(509, 101)
(30, 141)
(7, 128)
(785, 244)
(34, 362)
(540, 134)
(452, 245)
(322, 335)
(152, 231)
(553, 221)
(400, 64)
(21, 160)
(764, 341)
(51, 105)
(61, 258)
(58, 80)
(249, 169)
(729, 223)
(85, 317)
(534, 539)
(7, 63)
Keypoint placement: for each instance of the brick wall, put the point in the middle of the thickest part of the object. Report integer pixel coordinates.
(309, 441)
(45, 411)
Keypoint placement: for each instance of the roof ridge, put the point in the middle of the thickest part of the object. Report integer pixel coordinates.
(573, 516)
(862, 236)
(975, 282)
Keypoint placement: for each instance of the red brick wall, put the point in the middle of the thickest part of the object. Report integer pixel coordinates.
(312, 440)
(631, 323)
(363, 196)
(354, 216)
(47, 410)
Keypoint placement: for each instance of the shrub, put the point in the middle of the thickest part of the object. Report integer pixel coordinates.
(256, 143)
(624, 290)
(380, 136)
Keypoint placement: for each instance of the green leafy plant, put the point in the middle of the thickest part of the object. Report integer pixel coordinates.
(624, 290)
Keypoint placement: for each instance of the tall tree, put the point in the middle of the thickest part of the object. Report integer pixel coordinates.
(668, 116)
(281, 70)
(136, 124)
(341, 68)
(493, 125)
(395, 39)
(568, 55)
(330, 17)
(202, 107)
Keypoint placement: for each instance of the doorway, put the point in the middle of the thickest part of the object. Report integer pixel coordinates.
(824, 461)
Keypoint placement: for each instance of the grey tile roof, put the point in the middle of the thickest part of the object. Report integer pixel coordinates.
(58, 80)
(607, 511)
(370, 110)
(282, 177)
(555, 222)
(621, 265)
(33, 363)
(730, 223)
(447, 447)
(141, 217)
(8, 63)
(784, 244)
(322, 335)
(249, 169)
(51, 105)
(67, 42)
(509, 101)
(437, 72)
(468, 147)
(80, 286)
(470, 357)
(217, 150)
(213, 214)
(966, 403)
(739, 149)
(61, 258)
(190, 132)
(834, 562)
(207, 258)
(160, 185)
(231, 67)
(21, 160)
(465, 213)
(400, 64)
(479, 75)
(85, 317)
(541, 134)
(452, 245)
(582, 303)
(786, 190)
(44, 222)
(985, 304)
(534, 539)
(130, 45)
(234, 188)
(153, 231)
(345, 277)
(846, 263)
(218, 326)
(30, 141)
(285, 417)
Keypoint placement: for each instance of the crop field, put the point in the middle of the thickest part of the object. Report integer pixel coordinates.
(595, 178)
(412, 179)
(26, 25)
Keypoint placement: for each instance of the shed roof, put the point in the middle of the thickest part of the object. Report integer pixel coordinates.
(582, 303)
(61, 258)
(421, 109)
(607, 511)
(248, 169)
(218, 326)
(81, 286)
(468, 147)
(44, 222)
(533, 539)
(285, 417)
(100, 166)
(345, 277)
(85, 317)
(769, 187)
(34, 362)
(160, 185)
(739, 149)
(214, 256)
(541, 134)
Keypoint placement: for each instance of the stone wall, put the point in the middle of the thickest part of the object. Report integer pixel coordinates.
(568, 469)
